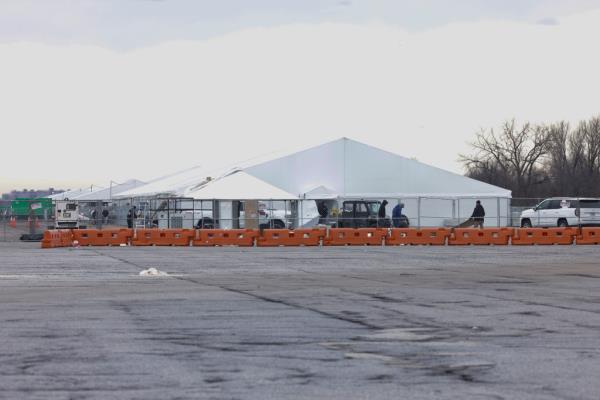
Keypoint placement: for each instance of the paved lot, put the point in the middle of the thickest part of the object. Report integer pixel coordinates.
(303, 323)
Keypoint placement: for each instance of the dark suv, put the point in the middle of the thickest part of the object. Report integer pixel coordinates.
(362, 214)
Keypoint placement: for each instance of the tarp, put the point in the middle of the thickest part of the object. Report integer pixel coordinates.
(239, 186)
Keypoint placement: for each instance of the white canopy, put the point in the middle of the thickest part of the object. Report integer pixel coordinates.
(239, 186)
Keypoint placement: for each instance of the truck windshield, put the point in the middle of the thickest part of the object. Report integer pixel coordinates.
(373, 207)
(71, 207)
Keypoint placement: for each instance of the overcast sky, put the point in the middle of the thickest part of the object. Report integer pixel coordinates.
(93, 91)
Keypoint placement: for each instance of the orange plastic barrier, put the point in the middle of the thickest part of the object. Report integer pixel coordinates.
(588, 236)
(225, 237)
(413, 236)
(474, 236)
(355, 237)
(163, 237)
(543, 236)
(285, 237)
(57, 238)
(103, 237)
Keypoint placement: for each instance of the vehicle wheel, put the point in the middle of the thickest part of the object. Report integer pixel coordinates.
(525, 223)
(562, 223)
(278, 224)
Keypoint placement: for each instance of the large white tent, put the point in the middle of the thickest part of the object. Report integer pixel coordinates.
(348, 169)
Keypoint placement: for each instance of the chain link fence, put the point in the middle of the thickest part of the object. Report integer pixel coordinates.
(26, 217)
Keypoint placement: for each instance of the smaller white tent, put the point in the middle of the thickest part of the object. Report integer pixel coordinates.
(239, 186)
(72, 194)
(173, 184)
(320, 192)
(107, 193)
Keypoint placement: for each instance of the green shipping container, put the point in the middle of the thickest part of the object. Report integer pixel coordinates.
(20, 207)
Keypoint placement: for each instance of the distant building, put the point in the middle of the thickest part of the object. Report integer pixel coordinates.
(30, 193)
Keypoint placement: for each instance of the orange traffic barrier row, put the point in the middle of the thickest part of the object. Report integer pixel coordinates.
(355, 237)
(225, 237)
(57, 238)
(163, 237)
(286, 237)
(103, 237)
(412, 236)
(321, 237)
(543, 236)
(474, 236)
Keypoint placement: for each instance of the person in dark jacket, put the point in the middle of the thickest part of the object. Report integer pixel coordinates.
(323, 211)
(381, 214)
(397, 214)
(105, 216)
(478, 215)
(131, 216)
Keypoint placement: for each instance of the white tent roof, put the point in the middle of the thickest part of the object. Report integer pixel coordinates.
(239, 186)
(105, 193)
(173, 184)
(72, 194)
(353, 169)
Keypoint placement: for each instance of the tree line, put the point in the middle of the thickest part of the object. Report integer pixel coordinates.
(538, 160)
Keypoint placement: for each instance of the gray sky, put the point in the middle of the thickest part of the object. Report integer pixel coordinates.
(126, 24)
(143, 88)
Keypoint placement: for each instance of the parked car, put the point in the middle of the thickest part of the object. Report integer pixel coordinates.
(267, 218)
(562, 212)
(362, 214)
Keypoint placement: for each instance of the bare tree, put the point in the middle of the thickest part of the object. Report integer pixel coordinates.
(513, 158)
(584, 146)
(559, 161)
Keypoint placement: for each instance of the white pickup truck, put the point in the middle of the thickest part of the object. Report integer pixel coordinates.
(562, 212)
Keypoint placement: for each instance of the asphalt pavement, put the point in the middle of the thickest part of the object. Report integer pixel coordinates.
(300, 323)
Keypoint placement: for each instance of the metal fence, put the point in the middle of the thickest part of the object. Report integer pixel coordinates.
(33, 216)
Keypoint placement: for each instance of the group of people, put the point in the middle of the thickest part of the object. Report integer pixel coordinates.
(476, 219)
(400, 220)
(105, 215)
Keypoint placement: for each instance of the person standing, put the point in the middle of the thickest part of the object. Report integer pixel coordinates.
(323, 211)
(397, 214)
(131, 216)
(478, 215)
(105, 216)
(381, 214)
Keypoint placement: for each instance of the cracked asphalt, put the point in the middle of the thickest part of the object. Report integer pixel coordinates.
(300, 323)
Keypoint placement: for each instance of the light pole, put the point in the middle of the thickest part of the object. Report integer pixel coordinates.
(110, 189)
